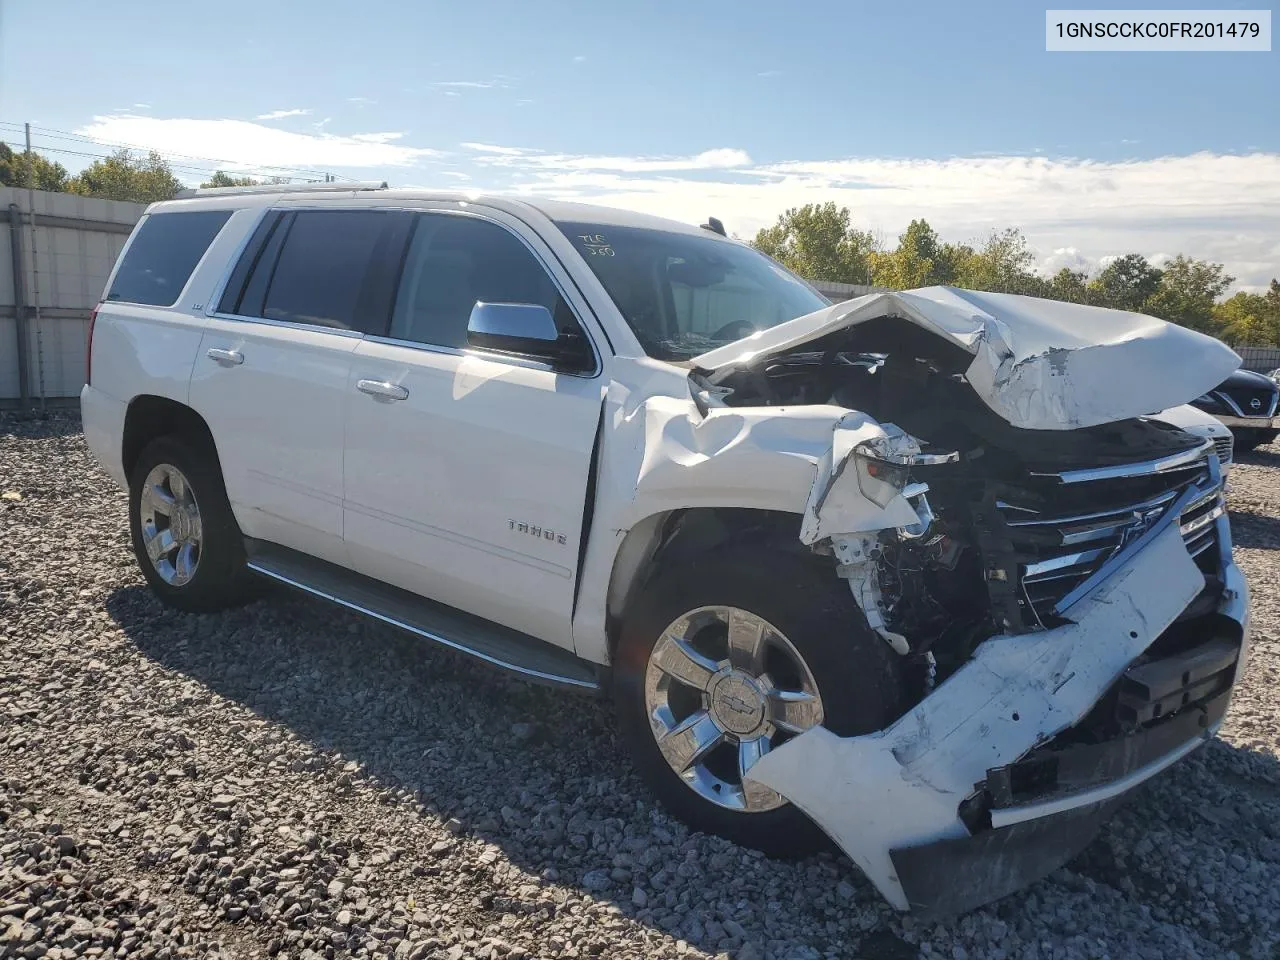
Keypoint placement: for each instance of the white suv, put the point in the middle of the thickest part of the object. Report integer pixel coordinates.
(918, 570)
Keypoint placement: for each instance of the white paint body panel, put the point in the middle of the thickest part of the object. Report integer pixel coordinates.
(277, 421)
(102, 418)
(471, 490)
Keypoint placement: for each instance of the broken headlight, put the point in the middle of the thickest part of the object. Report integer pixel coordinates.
(883, 474)
(879, 480)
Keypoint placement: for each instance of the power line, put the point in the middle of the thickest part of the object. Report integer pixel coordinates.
(51, 133)
(180, 167)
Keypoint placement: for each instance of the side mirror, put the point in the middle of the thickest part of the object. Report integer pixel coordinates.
(527, 329)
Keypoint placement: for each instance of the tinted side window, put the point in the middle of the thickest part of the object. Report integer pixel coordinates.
(452, 263)
(254, 251)
(163, 253)
(320, 275)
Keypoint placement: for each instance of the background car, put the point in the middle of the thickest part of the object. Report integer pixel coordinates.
(1188, 418)
(1245, 402)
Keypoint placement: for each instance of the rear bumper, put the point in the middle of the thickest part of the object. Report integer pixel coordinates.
(103, 420)
(982, 789)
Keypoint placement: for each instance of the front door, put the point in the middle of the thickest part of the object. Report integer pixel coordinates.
(466, 472)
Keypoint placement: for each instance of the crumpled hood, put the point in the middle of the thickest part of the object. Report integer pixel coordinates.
(1038, 364)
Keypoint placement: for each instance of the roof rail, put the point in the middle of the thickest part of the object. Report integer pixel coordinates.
(283, 188)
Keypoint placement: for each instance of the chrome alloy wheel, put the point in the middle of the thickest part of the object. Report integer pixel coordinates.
(170, 521)
(722, 688)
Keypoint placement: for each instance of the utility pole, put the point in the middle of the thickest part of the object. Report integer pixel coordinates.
(35, 268)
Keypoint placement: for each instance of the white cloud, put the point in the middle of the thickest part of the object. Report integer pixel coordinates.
(723, 158)
(498, 82)
(769, 73)
(360, 101)
(579, 59)
(245, 144)
(1222, 207)
(1069, 258)
(501, 151)
(281, 114)
(142, 106)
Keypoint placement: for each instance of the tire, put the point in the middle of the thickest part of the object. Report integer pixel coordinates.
(859, 678)
(218, 578)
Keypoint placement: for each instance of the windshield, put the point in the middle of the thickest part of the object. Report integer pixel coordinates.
(683, 295)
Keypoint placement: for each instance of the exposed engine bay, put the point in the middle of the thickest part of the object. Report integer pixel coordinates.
(1001, 539)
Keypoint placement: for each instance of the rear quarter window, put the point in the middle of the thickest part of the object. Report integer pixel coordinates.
(164, 251)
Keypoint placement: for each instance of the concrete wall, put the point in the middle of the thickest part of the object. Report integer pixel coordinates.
(77, 242)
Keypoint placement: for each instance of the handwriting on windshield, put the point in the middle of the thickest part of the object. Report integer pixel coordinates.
(597, 245)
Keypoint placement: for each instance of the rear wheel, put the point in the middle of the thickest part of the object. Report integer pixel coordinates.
(728, 657)
(184, 535)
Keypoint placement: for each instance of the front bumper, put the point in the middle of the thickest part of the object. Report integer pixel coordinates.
(942, 810)
(1247, 423)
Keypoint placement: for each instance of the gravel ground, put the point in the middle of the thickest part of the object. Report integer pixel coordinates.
(288, 779)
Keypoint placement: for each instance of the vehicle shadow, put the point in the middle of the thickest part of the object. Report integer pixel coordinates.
(426, 721)
(1268, 456)
(1255, 531)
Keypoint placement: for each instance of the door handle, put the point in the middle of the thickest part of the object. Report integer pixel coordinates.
(229, 358)
(382, 391)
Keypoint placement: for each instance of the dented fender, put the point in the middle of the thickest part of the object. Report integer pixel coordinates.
(660, 452)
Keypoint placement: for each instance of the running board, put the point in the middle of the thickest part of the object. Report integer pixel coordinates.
(500, 646)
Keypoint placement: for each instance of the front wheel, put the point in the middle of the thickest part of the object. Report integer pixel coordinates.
(729, 656)
(184, 535)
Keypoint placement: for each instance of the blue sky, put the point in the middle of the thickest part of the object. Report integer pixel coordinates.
(953, 112)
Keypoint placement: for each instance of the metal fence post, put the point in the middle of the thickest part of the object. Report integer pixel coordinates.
(19, 302)
(35, 268)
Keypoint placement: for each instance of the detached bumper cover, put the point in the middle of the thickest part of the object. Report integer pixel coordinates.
(901, 802)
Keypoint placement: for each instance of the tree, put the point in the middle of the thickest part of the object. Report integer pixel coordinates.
(920, 260)
(1247, 318)
(1126, 283)
(817, 241)
(15, 167)
(1187, 291)
(124, 176)
(220, 179)
(1001, 264)
(1069, 285)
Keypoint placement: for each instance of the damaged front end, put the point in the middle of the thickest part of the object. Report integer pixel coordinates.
(1064, 592)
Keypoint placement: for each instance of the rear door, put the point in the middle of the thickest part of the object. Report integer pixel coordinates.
(271, 373)
(466, 470)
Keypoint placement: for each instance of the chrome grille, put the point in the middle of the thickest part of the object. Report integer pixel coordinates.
(1101, 512)
(1224, 446)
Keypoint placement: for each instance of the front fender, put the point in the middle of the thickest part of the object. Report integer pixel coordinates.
(660, 453)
